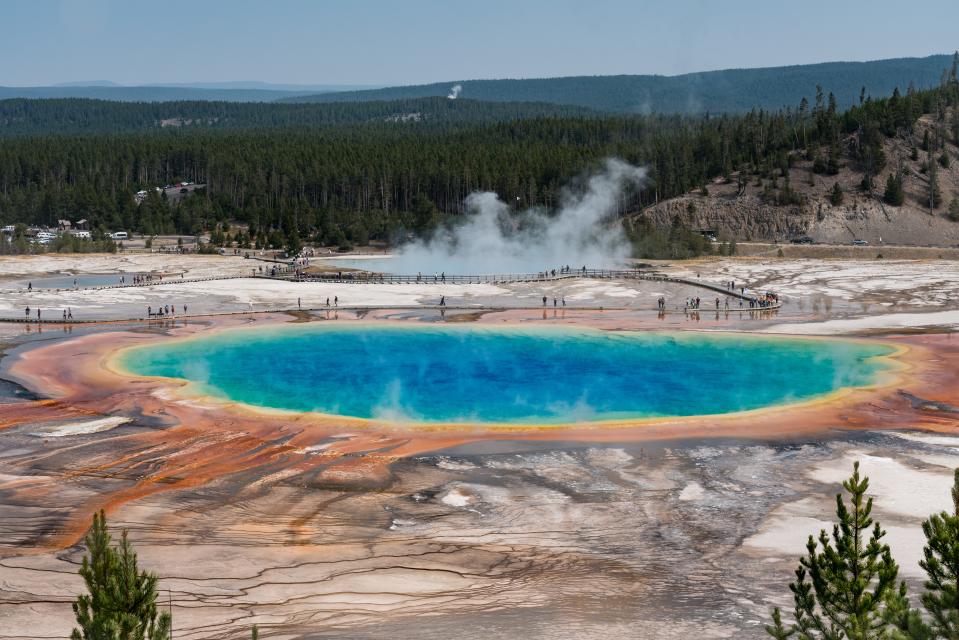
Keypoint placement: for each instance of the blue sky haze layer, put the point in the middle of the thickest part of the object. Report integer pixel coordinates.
(369, 42)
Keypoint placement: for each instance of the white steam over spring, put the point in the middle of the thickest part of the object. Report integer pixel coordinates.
(495, 240)
(455, 91)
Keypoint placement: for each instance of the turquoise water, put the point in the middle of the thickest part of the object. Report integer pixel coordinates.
(518, 375)
(65, 281)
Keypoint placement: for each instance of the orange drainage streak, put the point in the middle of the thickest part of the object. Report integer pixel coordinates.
(17, 413)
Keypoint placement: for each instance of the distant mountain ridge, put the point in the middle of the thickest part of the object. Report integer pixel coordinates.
(241, 91)
(726, 91)
(266, 86)
(731, 90)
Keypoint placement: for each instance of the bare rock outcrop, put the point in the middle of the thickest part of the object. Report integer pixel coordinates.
(743, 218)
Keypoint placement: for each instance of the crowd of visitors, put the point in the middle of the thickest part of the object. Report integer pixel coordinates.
(166, 311)
(548, 273)
(146, 278)
(67, 314)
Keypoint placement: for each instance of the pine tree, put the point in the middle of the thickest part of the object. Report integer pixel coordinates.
(846, 587)
(833, 165)
(935, 195)
(954, 210)
(941, 564)
(836, 195)
(777, 629)
(894, 195)
(293, 244)
(424, 214)
(121, 604)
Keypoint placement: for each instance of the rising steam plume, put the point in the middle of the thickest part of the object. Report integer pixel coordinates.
(494, 239)
(455, 91)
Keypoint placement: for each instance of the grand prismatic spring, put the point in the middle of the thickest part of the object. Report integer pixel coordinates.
(394, 469)
(591, 355)
(451, 374)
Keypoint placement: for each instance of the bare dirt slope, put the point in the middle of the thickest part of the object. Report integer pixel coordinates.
(747, 216)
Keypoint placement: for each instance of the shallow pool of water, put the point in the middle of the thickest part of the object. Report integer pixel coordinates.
(378, 265)
(68, 281)
(511, 374)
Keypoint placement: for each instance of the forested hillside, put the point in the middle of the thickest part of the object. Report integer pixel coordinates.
(37, 117)
(356, 182)
(728, 91)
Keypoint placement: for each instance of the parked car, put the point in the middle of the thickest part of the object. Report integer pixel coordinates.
(860, 243)
(802, 240)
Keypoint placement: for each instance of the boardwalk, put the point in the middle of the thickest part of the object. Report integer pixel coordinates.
(368, 277)
(359, 278)
(365, 277)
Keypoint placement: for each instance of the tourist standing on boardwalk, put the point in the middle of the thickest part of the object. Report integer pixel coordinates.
(544, 301)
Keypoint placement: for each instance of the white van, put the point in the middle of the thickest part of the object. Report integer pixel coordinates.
(77, 233)
(119, 235)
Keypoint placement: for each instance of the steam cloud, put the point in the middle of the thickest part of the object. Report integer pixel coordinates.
(494, 240)
(455, 92)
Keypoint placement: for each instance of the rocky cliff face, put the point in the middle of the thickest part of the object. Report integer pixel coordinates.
(743, 218)
(747, 217)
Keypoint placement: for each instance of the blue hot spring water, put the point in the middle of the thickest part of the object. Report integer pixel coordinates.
(429, 373)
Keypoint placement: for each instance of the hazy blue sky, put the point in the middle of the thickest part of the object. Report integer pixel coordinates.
(416, 41)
